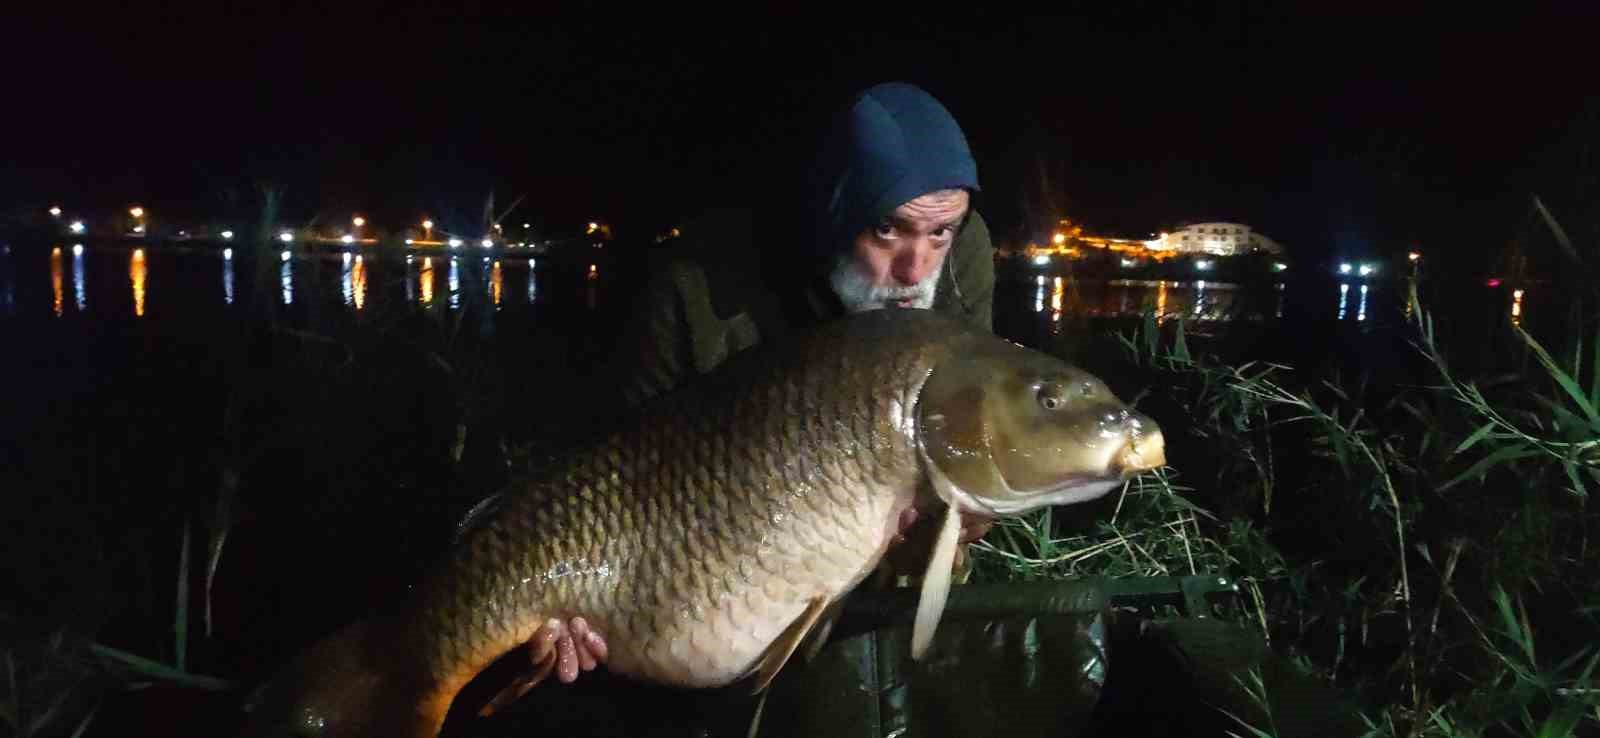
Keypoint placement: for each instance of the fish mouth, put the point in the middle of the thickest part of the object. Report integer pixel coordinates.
(1149, 451)
(1132, 458)
(1069, 492)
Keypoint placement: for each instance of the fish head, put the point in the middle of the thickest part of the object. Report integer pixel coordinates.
(1005, 429)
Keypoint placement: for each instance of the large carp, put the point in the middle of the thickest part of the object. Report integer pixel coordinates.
(702, 544)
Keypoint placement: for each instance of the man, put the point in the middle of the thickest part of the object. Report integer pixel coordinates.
(887, 223)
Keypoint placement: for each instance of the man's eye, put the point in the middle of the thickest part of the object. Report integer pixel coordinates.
(884, 230)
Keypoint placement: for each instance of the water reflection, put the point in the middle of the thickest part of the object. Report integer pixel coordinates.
(425, 279)
(286, 278)
(455, 282)
(1516, 307)
(358, 275)
(227, 276)
(8, 293)
(346, 286)
(533, 283)
(78, 289)
(136, 275)
(55, 281)
(1200, 300)
(1361, 311)
(353, 280)
(495, 283)
(1344, 298)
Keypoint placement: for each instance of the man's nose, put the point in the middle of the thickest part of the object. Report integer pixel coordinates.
(914, 264)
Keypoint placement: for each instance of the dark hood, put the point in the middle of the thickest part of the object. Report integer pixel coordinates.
(893, 144)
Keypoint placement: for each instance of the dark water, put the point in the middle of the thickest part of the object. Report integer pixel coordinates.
(335, 412)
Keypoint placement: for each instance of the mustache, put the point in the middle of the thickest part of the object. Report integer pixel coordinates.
(920, 289)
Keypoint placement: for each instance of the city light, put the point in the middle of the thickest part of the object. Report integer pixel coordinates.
(1203, 265)
(77, 250)
(455, 243)
(1059, 239)
(227, 254)
(525, 226)
(284, 256)
(347, 238)
(497, 227)
(593, 226)
(486, 243)
(136, 211)
(1414, 256)
(1041, 260)
(76, 227)
(409, 242)
(1279, 266)
(1345, 268)
(55, 211)
(358, 221)
(1129, 263)
(227, 235)
(286, 237)
(1367, 269)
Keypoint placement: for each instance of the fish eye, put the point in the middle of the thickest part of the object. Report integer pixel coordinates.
(1050, 397)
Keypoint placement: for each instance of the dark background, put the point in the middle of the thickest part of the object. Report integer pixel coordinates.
(1357, 131)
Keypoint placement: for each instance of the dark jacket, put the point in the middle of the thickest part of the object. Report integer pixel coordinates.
(713, 296)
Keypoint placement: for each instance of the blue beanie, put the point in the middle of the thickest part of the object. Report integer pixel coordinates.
(895, 143)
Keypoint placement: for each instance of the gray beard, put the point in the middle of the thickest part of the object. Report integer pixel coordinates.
(859, 295)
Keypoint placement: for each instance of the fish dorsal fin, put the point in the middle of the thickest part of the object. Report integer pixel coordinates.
(936, 583)
(478, 516)
(779, 652)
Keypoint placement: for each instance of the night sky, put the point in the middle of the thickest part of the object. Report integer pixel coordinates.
(1348, 132)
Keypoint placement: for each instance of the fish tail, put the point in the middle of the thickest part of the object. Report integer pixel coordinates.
(356, 682)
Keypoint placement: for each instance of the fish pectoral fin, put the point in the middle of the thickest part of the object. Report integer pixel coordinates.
(781, 649)
(819, 634)
(541, 660)
(936, 583)
(516, 689)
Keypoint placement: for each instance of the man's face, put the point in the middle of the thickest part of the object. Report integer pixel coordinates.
(896, 262)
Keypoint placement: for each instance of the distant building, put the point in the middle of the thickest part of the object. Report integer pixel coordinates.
(1220, 239)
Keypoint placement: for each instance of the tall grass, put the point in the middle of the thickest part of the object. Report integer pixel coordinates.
(1424, 546)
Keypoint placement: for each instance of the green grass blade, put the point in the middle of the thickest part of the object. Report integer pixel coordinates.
(1594, 373)
(180, 617)
(158, 670)
(1473, 439)
(1562, 378)
(1556, 229)
(84, 724)
(1504, 455)
(1578, 487)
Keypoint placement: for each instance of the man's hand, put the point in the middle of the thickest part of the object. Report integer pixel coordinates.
(913, 545)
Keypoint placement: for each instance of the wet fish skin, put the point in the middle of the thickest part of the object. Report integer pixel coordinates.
(693, 539)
